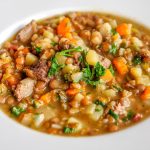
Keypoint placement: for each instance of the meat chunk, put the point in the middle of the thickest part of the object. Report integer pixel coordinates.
(41, 70)
(24, 88)
(105, 62)
(25, 34)
(145, 53)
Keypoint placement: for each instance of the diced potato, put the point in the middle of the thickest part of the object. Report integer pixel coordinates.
(30, 59)
(78, 97)
(92, 57)
(136, 42)
(76, 77)
(144, 79)
(106, 29)
(70, 68)
(100, 87)
(136, 72)
(113, 23)
(97, 113)
(3, 89)
(94, 111)
(78, 123)
(27, 119)
(110, 93)
(60, 59)
(146, 67)
(48, 34)
(47, 111)
(90, 109)
(38, 120)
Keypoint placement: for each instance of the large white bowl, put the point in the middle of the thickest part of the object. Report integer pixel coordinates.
(16, 13)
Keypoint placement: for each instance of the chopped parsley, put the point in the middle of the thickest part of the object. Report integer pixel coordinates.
(113, 114)
(68, 130)
(91, 76)
(97, 109)
(113, 31)
(129, 116)
(38, 49)
(93, 83)
(97, 102)
(16, 110)
(137, 60)
(112, 70)
(55, 67)
(99, 70)
(54, 43)
(118, 88)
(67, 51)
(80, 58)
(113, 49)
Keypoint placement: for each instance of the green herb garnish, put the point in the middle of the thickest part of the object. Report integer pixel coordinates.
(137, 60)
(113, 49)
(97, 102)
(99, 70)
(113, 31)
(129, 116)
(16, 110)
(91, 76)
(97, 109)
(112, 70)
(80, 58)
(68, 130)
(113, 114)
(38, 49)
(55, 67)
(67, 51)
(118, 88)
(54, 43)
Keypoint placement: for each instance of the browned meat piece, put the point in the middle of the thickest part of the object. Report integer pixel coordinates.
(145, 53)
(41, 70)
(25, 34)
(24, 88)
(3, 51)
(105, 62)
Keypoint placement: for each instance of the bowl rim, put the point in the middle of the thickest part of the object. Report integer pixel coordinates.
(10, 30)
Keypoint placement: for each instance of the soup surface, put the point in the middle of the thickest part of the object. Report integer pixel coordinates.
(77, 74)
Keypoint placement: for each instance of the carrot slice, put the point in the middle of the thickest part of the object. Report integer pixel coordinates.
(120, 65)
(107, 76)
(46, 97)
(64, 27)
(146, 94)
(72, 92)
(124, 29)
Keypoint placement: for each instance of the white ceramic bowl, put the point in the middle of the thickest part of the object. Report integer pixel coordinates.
(13, 136)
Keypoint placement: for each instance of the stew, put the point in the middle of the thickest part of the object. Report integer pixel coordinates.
(76, 74)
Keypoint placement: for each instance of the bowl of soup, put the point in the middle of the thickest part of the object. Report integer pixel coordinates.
(76, 73)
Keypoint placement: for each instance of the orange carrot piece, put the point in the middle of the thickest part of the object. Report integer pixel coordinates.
(120, 66)
(64, 27)
(124, 29)
(12, 80)
(72, 92)
(20, 60)
(46, 97)
(106, 46)
(107, 76)
(146, 94)
(25, 50)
